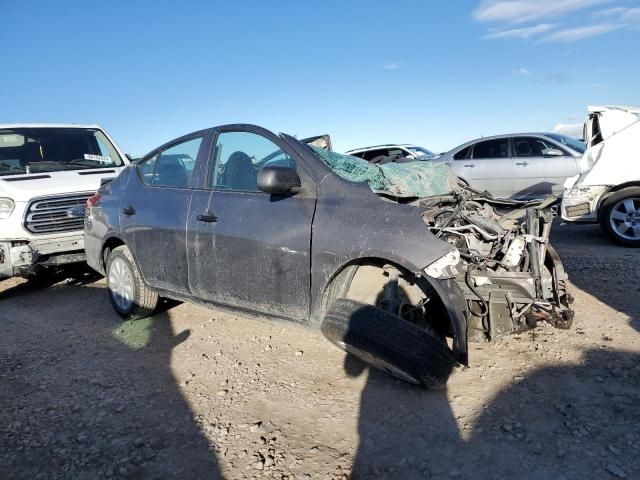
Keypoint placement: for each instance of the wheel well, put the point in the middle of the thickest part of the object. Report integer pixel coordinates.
(615, 188)
(342, 283)
(611, 191)
(109, 245)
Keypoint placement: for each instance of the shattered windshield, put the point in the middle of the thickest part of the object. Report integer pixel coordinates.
(402, 180)
(48, 149)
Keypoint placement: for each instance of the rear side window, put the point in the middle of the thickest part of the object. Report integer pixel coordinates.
(462, 154)
(173, 167)
(371, 154)
(492, 149)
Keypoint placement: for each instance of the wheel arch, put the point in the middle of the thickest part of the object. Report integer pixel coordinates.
(448, 294)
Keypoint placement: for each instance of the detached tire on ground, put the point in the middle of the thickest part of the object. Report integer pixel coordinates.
(130, 297)
(620, 217)
(389, 343)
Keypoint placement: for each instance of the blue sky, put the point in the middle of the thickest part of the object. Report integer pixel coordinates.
(431, 73)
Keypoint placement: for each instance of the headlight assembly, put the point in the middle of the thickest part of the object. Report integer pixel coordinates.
(6, 207)
(445, 266)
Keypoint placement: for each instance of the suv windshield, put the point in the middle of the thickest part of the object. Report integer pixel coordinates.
(49, 149)
(576, 145)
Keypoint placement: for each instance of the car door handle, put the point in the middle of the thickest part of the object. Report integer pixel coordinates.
(469, 165)
(523, 164)
(207, 218)
(128, 211)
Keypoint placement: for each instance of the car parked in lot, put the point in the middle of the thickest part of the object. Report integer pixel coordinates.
(391, 150)
(46, 169)
(521, 166)
(607, 189)
(268, 225)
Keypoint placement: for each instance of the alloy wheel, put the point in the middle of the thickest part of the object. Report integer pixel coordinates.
(625, 218)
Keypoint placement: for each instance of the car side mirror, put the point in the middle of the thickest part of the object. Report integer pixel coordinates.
(552, 152)
(278, 180)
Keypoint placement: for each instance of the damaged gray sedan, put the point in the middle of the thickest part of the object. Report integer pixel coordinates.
(397, 264)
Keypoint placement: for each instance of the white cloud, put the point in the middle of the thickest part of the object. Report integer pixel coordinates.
(569, 129)
(520, 11)
(522, 71)
(558, 78)
(580, 33)
(620, 14)
(391, 66)
(524, 33)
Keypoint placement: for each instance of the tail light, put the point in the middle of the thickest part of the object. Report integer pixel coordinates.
(93, 201)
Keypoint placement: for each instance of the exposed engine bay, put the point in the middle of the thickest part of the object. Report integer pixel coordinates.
(510, 275)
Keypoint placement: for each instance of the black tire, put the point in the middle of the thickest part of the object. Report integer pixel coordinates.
(612, 206)
(389, 343)
(144, 300)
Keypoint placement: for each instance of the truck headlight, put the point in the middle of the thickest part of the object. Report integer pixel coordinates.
(6, 207)
(445, 266)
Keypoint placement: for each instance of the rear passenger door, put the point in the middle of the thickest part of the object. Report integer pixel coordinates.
(487, 166)
(154, 214)
(535, 174)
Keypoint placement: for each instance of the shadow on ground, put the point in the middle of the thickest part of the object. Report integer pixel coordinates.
(559, 422)
(87, 396)
(601, 268)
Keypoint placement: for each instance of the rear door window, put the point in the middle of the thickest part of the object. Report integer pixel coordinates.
(378, 152)
(172, 167)
(498, 148)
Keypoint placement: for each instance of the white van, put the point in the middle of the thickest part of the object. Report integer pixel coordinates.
(45, 171)
(607, 189)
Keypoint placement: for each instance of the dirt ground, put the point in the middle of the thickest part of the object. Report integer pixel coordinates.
(196, 394)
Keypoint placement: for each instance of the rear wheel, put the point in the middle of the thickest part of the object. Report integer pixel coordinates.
(130, 297)
(620, 217)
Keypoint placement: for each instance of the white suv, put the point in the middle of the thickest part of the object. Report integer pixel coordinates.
(392, 150)
(45, 171)
(607, 189)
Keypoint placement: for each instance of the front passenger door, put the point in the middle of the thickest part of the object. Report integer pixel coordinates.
(249, 249)
(536, 175)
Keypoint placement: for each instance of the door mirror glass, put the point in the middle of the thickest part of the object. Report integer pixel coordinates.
(552, 152)
(278, 180)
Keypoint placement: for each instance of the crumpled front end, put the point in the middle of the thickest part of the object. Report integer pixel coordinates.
(510, 275)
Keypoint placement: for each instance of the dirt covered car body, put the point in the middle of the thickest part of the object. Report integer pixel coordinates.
(269, 225)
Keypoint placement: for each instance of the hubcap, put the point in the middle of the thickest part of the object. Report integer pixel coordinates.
(121, 284)
(625, 218)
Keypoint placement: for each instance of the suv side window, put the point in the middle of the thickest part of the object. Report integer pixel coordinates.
(238, 156)
(462, 154)
(371, 154)
(173, 167)
(530, 146)
(498, 148)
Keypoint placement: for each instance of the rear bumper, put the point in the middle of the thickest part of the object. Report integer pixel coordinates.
(24, 257)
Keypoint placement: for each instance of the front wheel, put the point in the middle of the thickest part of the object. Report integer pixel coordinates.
(389, 343)
(130, 297)
(620, 217)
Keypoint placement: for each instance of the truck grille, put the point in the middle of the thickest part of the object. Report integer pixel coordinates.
(49, 214)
